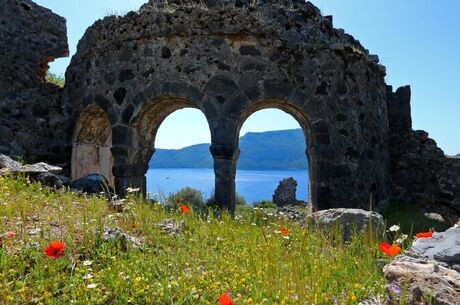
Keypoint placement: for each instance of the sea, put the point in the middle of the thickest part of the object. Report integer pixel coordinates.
(253, 185)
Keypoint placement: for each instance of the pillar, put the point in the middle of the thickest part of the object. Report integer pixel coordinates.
(225, 157)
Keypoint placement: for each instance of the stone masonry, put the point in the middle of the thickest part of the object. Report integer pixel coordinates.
(31, 117)
(227, 58)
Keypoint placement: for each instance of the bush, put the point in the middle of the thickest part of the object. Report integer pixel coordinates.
(211, 202)
(191, 197)
(265, 205)
(55, 79)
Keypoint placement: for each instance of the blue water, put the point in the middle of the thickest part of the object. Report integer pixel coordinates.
(253, 185)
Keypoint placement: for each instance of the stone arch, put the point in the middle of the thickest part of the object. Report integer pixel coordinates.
(131, 159)
(296, 113)
(92, 143)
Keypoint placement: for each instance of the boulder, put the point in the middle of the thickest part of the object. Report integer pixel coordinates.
(428, 272)
(349, 220)
(50, 180)
(8, 163)
(443, 247)
(92, 184)
(31, 169)
(285, 193)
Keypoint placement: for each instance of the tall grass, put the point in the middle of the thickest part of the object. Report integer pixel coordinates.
(247, 256)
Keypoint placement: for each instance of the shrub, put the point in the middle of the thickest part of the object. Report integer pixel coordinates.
(265, 204)
(55, 79)
(211, 202)
(191, 197)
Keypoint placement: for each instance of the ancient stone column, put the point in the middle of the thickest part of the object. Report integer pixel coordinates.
(225, 157)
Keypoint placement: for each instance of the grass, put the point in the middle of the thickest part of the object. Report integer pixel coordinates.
(412, 220)
(246, 257)
(54, 79)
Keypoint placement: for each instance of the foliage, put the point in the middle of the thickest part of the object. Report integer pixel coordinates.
(186, 196)
(55, 79)
(265, 205)
(239, 200)
(411, 219)
(247, 257)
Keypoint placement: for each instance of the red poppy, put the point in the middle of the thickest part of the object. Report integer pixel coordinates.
(390, 250)
(424, 234)
(55, 249)
(284, 231)
(184, 209)
(11, 234)
(225, 299)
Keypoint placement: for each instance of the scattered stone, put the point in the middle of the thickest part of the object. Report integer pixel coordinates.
(292, 212)
(372, 301)
(172, 227)
(117, 235)
(349, 220)
(285, 193)
(118, 205)
(422, 278)
(92, 184)
(434, 216)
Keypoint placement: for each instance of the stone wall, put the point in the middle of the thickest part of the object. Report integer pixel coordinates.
(31, 119)
(230, 59)
(420, 171)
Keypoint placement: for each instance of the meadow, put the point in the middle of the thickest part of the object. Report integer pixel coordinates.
(254, 258)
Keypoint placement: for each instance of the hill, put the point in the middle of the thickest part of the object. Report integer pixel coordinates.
(281, 149)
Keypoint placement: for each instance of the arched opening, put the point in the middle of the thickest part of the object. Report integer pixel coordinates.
(91, 147)
(175, 135)
(273, 142)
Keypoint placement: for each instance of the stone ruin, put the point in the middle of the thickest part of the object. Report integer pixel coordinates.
(285, 193)
(227, 58)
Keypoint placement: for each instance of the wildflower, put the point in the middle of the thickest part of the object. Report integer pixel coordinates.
(133, 190)
(10, 234)
(284, 231)
(424, 234)
(55, 249)
(390, 250)
(225, 299)
(184, 209)
(394, 288)
(91, 286)
(402, 238)
(394, 228)
(88, 276)
(87, 263)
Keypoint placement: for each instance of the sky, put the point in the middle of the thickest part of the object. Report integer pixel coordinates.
(417, 40)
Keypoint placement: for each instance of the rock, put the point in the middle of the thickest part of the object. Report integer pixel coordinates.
(92, 184)
(292, 212)
(285, 193)
(118, 205)
(372, 301)
(30, 169)
(434, 216)
(172, 227)
(37, 168)
(348, 220)
(430, 269)
(8, 163)
(443, 247)
(423, 280)
(50, 180)
(65, 180)
(117, 235)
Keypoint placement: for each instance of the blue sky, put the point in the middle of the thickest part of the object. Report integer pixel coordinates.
(417, 40)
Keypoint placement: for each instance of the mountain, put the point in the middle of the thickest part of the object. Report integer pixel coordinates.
(281, 149)
(458, 155)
